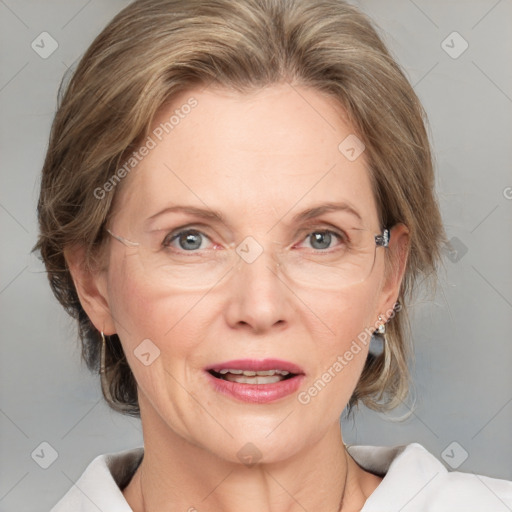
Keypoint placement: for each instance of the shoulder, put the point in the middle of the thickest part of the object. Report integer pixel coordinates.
(415, 480)
(99, 487)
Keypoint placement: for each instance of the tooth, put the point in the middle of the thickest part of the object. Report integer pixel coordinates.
(251, 373)
(242, 379)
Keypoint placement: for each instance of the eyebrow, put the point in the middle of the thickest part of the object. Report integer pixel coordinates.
(205, 213)
(316, 211)
(210, 214)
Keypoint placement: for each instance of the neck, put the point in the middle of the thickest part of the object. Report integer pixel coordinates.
(177, 475)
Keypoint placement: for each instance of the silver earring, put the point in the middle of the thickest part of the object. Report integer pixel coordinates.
(378, 340)
(382, 327)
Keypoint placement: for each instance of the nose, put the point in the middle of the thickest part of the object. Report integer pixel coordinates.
(258, 297)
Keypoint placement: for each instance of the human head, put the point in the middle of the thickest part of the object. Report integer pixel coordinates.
(161, 48)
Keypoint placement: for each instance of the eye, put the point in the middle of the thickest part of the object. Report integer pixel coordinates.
(187, 240)
(322, 239)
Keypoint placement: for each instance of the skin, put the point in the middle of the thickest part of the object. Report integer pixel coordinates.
(259, 158)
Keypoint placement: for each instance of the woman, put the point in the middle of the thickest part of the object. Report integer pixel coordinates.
(235, 197)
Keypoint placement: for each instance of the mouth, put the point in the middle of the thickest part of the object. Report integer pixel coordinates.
(252, 375)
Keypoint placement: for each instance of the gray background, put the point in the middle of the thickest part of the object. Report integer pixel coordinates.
(463, 381)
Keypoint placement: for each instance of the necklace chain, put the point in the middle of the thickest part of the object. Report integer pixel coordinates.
(342, 493)
(346, 478)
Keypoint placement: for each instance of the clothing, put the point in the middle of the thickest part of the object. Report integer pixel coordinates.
(414, 481)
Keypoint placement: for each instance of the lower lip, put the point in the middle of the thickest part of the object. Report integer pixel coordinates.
(256, 393)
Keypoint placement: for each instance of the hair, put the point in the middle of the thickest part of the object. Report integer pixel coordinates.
(155, 49)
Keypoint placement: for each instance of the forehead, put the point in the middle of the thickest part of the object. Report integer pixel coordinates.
(272, 151)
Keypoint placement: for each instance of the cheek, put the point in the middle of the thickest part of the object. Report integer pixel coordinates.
(174, 323)
(346, 321)
(144, 310)
(344, 315)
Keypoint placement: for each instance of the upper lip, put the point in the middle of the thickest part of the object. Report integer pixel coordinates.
(257, 365)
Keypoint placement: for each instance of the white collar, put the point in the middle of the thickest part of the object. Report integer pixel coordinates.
(414, 480)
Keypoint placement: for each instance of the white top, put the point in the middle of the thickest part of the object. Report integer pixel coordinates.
(414, 481)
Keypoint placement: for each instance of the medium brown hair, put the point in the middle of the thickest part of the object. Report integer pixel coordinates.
(154, 49)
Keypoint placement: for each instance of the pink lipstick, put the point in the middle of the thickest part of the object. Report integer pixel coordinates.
(256, 381)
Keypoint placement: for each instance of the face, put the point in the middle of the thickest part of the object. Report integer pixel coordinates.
(259, 160)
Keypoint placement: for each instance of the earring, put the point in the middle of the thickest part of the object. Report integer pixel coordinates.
(103, 350)
(378, 340)
(382, 327)
(105, 387)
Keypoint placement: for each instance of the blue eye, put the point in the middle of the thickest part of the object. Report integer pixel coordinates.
(322, 239)
(188, 240)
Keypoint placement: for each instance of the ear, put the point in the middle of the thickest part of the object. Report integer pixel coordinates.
(395, 268)
(91, 287)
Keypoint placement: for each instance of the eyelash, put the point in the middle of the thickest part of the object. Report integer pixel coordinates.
(174, 235)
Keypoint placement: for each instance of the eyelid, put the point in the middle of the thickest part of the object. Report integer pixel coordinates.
(316, 226)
